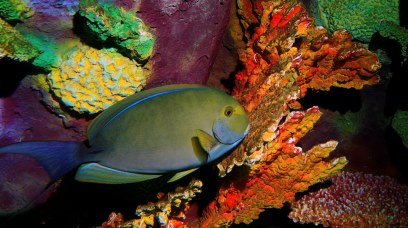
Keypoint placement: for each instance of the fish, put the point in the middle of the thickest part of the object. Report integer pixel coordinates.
(173, 129)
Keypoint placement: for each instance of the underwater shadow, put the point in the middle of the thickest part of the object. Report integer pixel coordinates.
(13, 73)
(398, 153)
(337, 99)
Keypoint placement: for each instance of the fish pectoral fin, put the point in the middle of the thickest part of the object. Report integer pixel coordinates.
(182, 174)
(97, 173)
(207, 142)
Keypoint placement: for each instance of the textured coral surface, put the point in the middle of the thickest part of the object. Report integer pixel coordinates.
(335, 61)
(355, 200)
(284, 170)
(360, 18)
(276, 73)
(15, 10)
(169, 211)
(90, 80)
(14, 45)
(123, 29)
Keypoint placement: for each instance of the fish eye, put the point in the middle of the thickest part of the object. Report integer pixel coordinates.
(228, 111)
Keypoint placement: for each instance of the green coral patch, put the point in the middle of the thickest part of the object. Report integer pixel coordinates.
(14, 45)
(123, 29)
(15, 10)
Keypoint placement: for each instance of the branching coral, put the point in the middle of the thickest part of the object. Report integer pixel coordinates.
(335, 61)
(276, 73)
(90, 80)
(14, 45)
(111, 24)
(355, 199)
(283, 171)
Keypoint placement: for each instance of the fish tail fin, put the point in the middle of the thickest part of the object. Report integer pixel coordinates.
(57, 157)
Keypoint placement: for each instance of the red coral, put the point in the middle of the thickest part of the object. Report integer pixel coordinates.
(282, 172)
(335, 61)
(355, 199)
(279, 66)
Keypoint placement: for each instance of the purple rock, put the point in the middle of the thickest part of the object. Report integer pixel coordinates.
(188, 37)
(24, 184)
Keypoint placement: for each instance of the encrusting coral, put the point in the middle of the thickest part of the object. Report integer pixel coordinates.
(15, 10)
(14, 45)
(113, 25)
(355, 200)
(89, 80)
(360, 18)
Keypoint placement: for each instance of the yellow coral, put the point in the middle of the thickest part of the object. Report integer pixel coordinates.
(90, 80)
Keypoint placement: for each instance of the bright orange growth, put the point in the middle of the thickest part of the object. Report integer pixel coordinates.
(282, 172)
(283, 58)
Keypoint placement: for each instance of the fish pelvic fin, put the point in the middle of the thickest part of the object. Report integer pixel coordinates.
(207, 141)
(100, 174)
(182, 174)
(57, 157)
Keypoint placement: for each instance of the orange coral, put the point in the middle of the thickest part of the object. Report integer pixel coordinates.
(283, 171)
(335, 61)
(278, 57)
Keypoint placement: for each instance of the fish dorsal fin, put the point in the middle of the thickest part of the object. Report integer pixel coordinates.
(182, 174)
(97, 173)
(207, 142)
(102, 120)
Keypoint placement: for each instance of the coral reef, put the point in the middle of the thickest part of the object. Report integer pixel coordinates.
(400, 125)
(335, 61)
(15, 10)
(360, 18)
(355, 199)
(284, 170)
(14, 45)
(90, 80)
(50, 29)
(276, 73)
(123, 29)
(169, 211)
